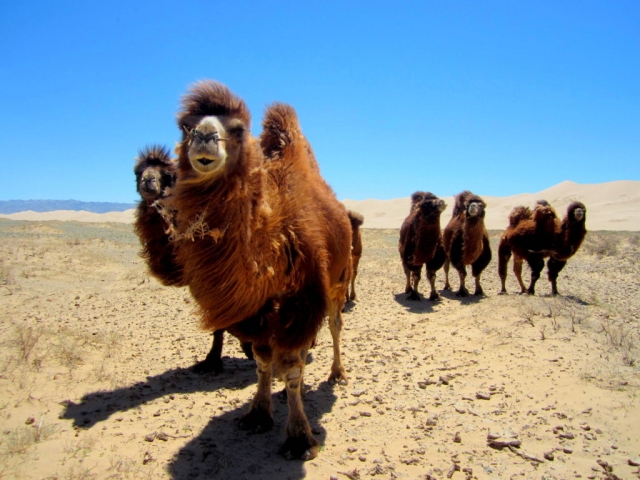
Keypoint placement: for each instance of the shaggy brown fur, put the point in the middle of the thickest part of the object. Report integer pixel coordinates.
(466, 241)
(155, 176)
(356, 250)
(264, 243)
(552, 238)
(421, 242)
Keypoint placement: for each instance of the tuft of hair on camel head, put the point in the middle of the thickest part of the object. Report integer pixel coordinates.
(155, 172)
(577, 211)
(214, 122)
(427, 203)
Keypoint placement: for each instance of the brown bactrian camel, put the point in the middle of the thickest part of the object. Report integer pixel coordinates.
(466, 241)
(356, 220)
(264, 243)
(536, 235)
(155, 177)
(421, 242)
(155, 173)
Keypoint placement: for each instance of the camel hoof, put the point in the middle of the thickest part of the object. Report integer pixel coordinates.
(434, 297)
(413, 296)
(247, 349)
(338, 377)
(304, 447)
(478, 292)
(256, 421)
(208, 366)
(462, 293)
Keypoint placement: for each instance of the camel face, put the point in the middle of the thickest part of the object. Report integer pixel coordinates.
(150, 184)
(579, 214)
(434, 206)
(475, 209)
(208, 149)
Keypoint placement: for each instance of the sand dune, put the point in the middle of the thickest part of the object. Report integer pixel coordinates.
(610, 205)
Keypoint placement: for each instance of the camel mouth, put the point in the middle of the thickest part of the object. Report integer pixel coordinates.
(204, 161)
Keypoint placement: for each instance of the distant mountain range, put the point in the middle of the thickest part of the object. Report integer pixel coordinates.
(14, 206)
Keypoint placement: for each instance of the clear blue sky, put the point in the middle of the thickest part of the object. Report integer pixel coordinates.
(499, 97)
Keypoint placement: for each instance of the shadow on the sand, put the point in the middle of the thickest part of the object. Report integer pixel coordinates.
(224, 451)
(468, 300)
(423, 305)
(98, 406)
(221, 450)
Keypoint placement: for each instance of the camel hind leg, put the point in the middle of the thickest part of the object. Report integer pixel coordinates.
(536, 262)
(351, 293)
(553, 269)
(480, 264)
(504, 255)
(447, 285)
(338, 373)
(432, 266)
(462, 273)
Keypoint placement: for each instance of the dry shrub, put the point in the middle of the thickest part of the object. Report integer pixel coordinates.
(20, 440)
(601, 244)
(622, 337)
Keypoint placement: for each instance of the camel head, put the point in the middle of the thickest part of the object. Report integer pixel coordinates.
(475, 208)
(429, 206)
(155, 172)
(215, 124)
(576, 212)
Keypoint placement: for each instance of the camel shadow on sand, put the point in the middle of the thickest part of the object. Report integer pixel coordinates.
(221, 449)
(470, 299)
(415, 306)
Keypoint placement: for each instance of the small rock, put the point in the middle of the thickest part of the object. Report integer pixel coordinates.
(30, 421)
(456, 438)
(483, 396)
(634, 462)
(150, 437)
(549, 456)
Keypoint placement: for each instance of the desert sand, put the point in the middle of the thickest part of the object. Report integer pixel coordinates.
(611, 205)
(95, 380)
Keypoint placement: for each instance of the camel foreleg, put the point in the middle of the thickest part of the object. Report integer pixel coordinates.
(300, 442)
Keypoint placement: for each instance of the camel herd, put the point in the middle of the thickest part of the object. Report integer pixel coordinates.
(268, 252)
(532, 236)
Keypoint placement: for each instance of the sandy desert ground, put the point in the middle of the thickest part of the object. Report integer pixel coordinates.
(95, 379)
